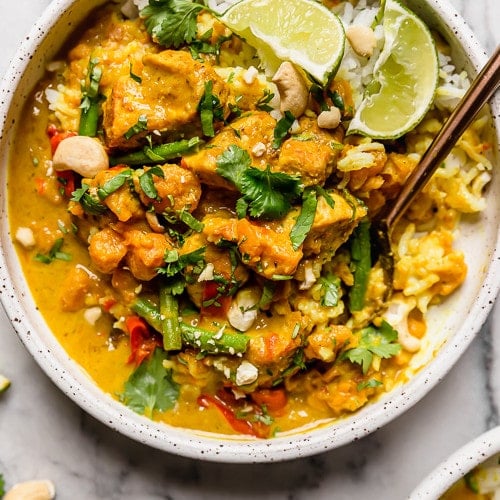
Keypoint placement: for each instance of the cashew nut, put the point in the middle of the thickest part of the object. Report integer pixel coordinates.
(84, 155)
(329, 119)
(292, 88)
(246, 373)
(32, 490)
(243, 311)
(362, 40)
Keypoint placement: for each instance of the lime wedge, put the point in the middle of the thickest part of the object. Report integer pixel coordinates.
(303, 32)
(405, 78)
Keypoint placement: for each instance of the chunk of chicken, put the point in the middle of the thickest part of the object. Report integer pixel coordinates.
(333, 226)
(265, 247)
(311, 153)
(247, 132)
(171, 87)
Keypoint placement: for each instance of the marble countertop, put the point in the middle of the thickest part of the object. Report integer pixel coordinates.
(43, 434)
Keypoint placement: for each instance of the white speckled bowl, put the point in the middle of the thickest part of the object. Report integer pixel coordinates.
(451, 327)
(461, 462)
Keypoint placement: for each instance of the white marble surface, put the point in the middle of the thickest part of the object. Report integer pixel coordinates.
(44, 435)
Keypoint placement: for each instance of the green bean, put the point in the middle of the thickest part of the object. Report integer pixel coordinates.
(169, 312)
(199, 338)
(157, 154)
(89, 119)
(361, 258)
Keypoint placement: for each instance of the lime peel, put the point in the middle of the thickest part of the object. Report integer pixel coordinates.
(303, 32)
(405, 78)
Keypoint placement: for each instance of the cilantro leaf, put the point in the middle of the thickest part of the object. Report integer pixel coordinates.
(176, 266)
(269, 194)
(151, 387)
(210, 109)
(232, 164)
(305, 220)
(266, 195)
(114, 184)
(381, 342)
(147, 183)
(140, 126)
(2, 486)
(330, 290)
(54, 253)
(171, 22)
(90, 204)
(282, 128)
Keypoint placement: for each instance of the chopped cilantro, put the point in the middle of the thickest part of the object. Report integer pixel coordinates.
(150, 387)
(140, 126)
(171, 22)
(304, 221)
(266, 195)
(282, 128)
(373, 341)
(210, 110)
(191, 221)
(135, 77)
(147, 183)
(2, 486)
(263, 102)
(90, 203)
(54, 253)
(114, 184)
(330, 290)
(368, 384)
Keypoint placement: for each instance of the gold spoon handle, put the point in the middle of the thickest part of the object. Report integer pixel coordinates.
(480, 91)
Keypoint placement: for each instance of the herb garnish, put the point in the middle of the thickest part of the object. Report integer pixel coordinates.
(54, 253)
(171, 22)
(282, 128)
(147, 183)
(91, 99)
(266, 195)
(330, 290)
(373, 341)
(210, 110)
(151, 387)
(140, 126)
(304, 221)
(90, 203)
(114, 184)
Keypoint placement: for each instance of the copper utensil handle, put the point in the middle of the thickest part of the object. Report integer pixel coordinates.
(480, 91)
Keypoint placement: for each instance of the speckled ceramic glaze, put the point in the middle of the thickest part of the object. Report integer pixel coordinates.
(457, 465)
(452, 326)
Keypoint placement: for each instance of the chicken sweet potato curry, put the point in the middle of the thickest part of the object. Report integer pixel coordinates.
(196, 230)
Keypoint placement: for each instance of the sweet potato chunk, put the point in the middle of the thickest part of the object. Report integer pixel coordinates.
(107, 249)
(146, 253)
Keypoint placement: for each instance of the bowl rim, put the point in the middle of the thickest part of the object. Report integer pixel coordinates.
(198, 445)
(459, 463)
